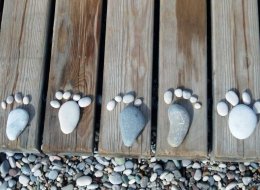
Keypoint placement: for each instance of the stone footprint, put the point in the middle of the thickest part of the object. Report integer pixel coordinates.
(69, 111)
(179, 114)
(19, 117)
(242, 119)
(131, 120)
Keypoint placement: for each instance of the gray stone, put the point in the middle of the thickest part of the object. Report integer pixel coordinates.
(129, 164)
(203, 186)
(246, 180)
(4, 168)
(92, 186)
(84, 181)
(11, 183)
(131, 121)
(12, 162)
(120, 161)
(170, 166)
(31, 158)
(68, 187)
(24, 180)
(115, 178)
(4, 186)
(53, 175)
(197, 175)
(144, 182)
(179, 124)
(119, 168)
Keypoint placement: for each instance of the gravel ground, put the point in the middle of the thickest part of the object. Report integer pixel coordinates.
(28, 171)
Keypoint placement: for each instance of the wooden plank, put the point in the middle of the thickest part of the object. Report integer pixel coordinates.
(127, 67)
(235, 45)
(182, 63)
(23, 40)
(74, 65)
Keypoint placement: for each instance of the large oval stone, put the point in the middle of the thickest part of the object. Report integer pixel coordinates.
(131, 121)
(242, 121)
(16, 123)
(69, 114)
(179, 124)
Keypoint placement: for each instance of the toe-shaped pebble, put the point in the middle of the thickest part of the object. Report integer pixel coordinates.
(178, 92)
(111, 105)
(222, 108)
(10, 99)
(26, 100)
(138, 102)
(246, 98)
(84, 102)
(186, 94)
(232, 98)
(168, 96)
(118, 98)
(76, 97)
(55, 104)
(193, 99)
(197, 105)
(67, 95)
(18, 97)
(58, 95)
(128, 98)
(256, 107)
(3, 105)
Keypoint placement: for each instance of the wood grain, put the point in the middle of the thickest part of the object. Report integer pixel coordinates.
(127, 67)
(182, 63)
(235, 45)
(23, 40)
(74, 64)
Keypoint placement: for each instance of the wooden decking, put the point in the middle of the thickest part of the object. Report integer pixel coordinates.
(102, 48)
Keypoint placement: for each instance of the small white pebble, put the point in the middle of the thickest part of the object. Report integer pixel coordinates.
(232, 98)
(55, 104)
(193, 99)
(76, 97)
(18, 98)
(222, 108)
(26, 100)
(178, 92)
(10, 99)
(128, 98)
(197, 105)
(216, 177)
(84, 102)
(138, 102)
(118, 98)
(246, 98)
(66, 95)
(168, 96)
(256, 107)
(3, 105)
(59, 95)
(111, 105)
(186, 94)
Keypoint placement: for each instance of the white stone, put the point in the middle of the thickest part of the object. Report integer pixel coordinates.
(168, 96)
(59, 95)
(128, 98)
(197, 175)
(256, 107)
(242, 121)
(193, 99)
(231, 185)
(111, 105)
(3, 105)
(246, 180)
(24, 180)
(138, 102)
(222, 108)
(232, 98)
(216, 177)
(178, 92)
(69, 114)
(84, 181)
(246, 98)
(10, 99)
(186, 94)
(26, 100)
(16, 123)
(205, 178)
(55, 104)
(118, 98)
(18, 98)
(76, 97)
(84, 102)
(66, 95)
(153, 177)
(197, 105)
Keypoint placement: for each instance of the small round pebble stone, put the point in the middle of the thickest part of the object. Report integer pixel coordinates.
(138, 102)
(66, 95)
(231, 185)
(55, 104)
(216, 177)
(256, 107)
(98, 173)
(193, 99)
(246, 98)
(76, 97)
(10, 99)
(59, 95)
(118, 98)
(246, 180)
(178, 92)
(18, 97)
(168, 96)
(197, 105)
(222, 108)
(83, 181)
(128, 98)
(197, 175)
(3, 105)
(232, 98)
(196, 165)
(53, 175)
(153, 177)
(84, 102)
(26, 100)
(24, 180)
(92, 186)
(115, 178)
(186, 163)
(186, 94)
(111, 105)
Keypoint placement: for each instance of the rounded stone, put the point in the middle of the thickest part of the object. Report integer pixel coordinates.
(246, 98)
(193, 99)
(118, 98)
(55, 104)
(197, 175)
(59, 95)
(24, 180)
(138, 102)
(128, 98)
(98, 174)
(18, 97)
(242, 127)
(26, 100)
(168, 96)
(231, 185)
(256, 107)
(76, 97)
(216, 177)
(53, 175)
(3, 105)
(186, 94)
(66, 95)
(197, 105)
(232, 98)
(10, 99)
(178, 92)
(83, 181)
(111, 105)
(153, 177)
(84, 102)
(222, 108)
(115, 178)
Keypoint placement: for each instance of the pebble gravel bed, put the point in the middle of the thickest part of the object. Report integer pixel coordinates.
(29, 172)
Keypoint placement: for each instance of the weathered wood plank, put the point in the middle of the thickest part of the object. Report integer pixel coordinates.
(235, 45)
(182, 63)
(23, 40)
(127, 67)
(74, 64)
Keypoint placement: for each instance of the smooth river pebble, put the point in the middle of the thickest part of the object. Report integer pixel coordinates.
(111, 105)
(256, 107)
(246, 98)
(3, 105)
(55, 104)
(76, 97)
(10, 99)
(118, 99)
(59, 95)
(232, 98)
(18, 97)
(186, 94)
(128, 98)
(84, 181)
(138, 102)
(168, 96)
(26, 100)
(222, 108)
(66, 95)
(178, 92)
(84, 102)
(193, 99)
